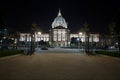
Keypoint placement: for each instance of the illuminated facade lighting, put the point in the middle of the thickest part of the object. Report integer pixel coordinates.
(59, 34)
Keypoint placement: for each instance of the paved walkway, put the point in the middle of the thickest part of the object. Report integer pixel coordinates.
(51, 66)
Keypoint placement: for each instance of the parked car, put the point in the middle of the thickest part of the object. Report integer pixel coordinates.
(44, 48)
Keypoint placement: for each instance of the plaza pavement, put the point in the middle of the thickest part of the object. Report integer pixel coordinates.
(59, 64)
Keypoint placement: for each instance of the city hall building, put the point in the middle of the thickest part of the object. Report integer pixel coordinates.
(59, 35)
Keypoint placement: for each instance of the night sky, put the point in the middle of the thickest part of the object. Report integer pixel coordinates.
(20, 14)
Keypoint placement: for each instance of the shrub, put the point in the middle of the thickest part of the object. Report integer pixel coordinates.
(114, 54)
(10, 52)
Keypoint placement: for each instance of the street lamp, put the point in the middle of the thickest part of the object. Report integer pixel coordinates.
(39, 33)
(78, 41)
(80, 37)
(32, 46)
(86, 26)
(80, 33)
(32, 43)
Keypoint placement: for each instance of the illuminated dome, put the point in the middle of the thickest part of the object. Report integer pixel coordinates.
(59, 21)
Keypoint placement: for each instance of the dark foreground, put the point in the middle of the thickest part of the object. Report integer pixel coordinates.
(60, 66)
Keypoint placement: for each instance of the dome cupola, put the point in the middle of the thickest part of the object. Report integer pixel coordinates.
(59, 21)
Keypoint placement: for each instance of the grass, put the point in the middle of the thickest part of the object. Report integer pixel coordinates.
(114, 54)
(4, 53)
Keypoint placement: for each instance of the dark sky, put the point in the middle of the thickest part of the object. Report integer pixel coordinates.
(20, 14)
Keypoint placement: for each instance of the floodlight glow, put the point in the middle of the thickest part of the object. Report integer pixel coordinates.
(39, 33)
(78, 39)
(80, 33)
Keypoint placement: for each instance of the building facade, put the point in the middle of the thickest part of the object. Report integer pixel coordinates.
(59, 35)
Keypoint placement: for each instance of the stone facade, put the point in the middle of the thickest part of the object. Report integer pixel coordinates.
(59, 35)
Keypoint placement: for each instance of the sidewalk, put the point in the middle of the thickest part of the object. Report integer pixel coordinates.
(59, 67)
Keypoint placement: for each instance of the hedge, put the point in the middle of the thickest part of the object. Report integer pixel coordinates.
(10, 52)
(114, 54)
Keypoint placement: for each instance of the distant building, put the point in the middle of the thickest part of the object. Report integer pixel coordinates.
(59, 35)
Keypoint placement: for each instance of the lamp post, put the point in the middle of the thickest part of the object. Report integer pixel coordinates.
(78, 41)
(32, 43)
(80, 36)
(86, 26)
(39, 33)
(32, 46)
